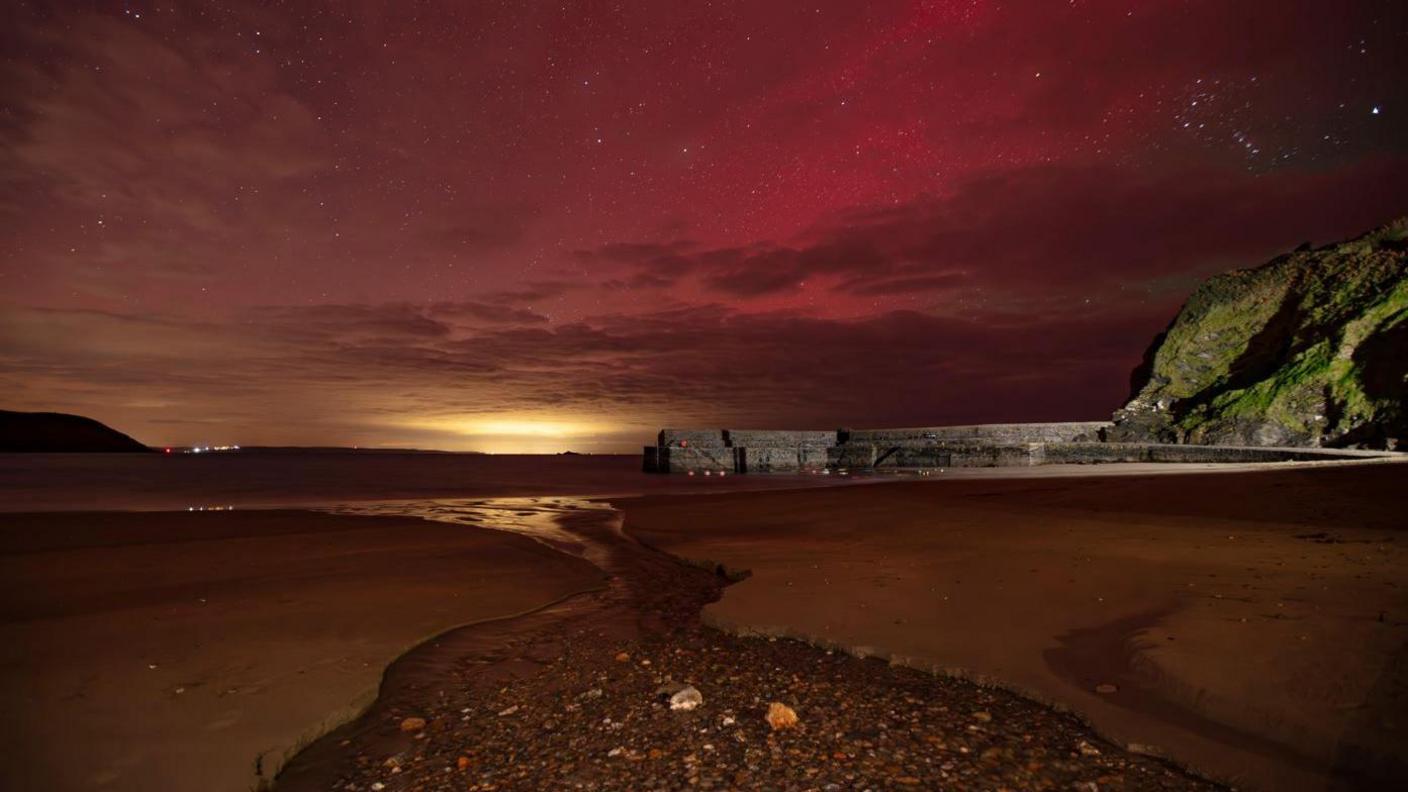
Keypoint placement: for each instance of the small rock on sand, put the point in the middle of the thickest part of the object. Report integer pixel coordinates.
(780, 716)
(413, 724)
(686, 698)
(622, 657)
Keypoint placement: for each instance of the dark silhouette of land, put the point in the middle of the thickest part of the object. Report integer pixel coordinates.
(48, 433)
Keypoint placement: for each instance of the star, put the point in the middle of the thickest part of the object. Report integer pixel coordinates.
(738, 172)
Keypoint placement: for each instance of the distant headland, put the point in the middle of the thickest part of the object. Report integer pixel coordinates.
(47, 432)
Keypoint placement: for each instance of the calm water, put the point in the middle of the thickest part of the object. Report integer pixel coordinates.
(49, 482)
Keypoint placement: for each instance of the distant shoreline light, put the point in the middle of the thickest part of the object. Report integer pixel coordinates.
(200, 449)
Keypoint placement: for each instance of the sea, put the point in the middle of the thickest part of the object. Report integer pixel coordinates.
(253, 479)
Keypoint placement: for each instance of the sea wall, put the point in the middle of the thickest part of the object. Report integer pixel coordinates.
(1098, 453)
(936, 454)
(1010, 434)
(739, 450)
(689, 459)
(936, 447)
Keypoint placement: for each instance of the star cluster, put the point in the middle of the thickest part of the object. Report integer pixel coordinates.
(359, 203)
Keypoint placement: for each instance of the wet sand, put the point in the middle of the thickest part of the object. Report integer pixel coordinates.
(196, 650)
(1254, 624)
(575, 696)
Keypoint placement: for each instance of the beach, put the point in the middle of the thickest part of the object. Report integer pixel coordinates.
(197, 650)
(170, 622)
(582, 695)
(1247, 624)
(1251, 625)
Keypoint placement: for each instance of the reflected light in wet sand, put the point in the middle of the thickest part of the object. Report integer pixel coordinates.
(535, 518)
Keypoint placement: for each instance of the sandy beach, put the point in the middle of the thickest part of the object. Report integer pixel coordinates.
(579, 695)
(1248, 624)
(195, 650)
(1253, 625)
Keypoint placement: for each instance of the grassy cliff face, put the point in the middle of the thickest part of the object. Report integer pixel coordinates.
(1308, 349)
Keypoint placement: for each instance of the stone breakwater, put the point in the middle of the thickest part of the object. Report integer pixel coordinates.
(713, 451)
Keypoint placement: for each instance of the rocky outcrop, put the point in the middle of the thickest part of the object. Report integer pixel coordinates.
(1309, 349)
(60, 432)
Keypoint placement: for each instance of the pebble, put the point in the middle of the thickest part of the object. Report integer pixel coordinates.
(412, 724)
(780, 716)
(687, 698)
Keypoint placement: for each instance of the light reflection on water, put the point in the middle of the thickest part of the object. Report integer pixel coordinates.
(250, 479)
(538, 518)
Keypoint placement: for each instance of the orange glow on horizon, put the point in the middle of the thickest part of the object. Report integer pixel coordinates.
(520, 434)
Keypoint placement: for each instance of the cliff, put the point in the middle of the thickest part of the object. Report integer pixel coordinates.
(1309, 349)
(59, 432)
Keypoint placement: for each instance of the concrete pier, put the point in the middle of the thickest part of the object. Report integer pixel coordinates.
(935, 447)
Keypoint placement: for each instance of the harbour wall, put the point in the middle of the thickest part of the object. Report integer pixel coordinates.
(921, 448)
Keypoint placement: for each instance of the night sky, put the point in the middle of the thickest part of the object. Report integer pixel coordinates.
(542, 226)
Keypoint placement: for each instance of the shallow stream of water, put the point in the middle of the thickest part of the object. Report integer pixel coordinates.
(645, 592)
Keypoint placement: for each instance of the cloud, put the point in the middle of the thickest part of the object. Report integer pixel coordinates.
(903, 286)
(1040, 230)
(357, 373)
(156, 138)
(177, 159)
(495, 313)
(347, 323)
(948, 212)
(534, 291)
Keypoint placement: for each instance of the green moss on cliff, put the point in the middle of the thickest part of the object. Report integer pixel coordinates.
(1307, 349)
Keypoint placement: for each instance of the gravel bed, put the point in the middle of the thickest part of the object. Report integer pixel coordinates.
(598, 717)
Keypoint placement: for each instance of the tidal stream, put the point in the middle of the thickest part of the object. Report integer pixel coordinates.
(574, 695)
(646, 592)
